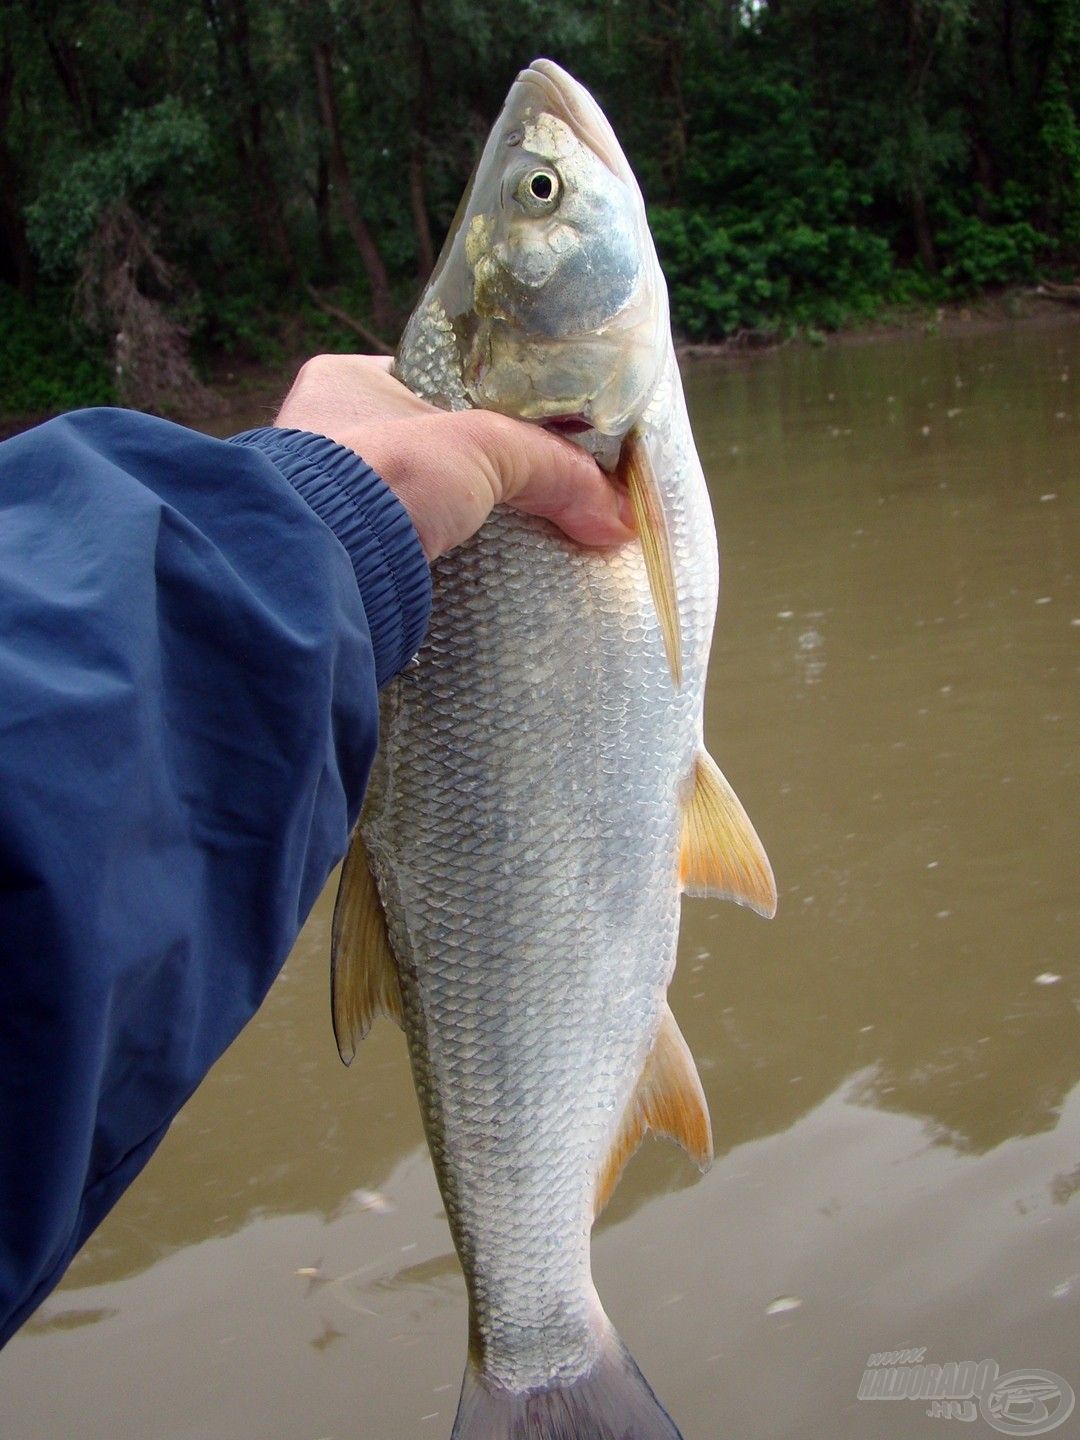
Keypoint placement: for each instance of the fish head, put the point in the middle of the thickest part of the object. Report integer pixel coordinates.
(549, 278)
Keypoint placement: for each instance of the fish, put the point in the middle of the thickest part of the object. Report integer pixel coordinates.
(542, 797)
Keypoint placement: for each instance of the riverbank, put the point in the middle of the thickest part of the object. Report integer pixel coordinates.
(252, 397)
(246, 394)
(1019, 305)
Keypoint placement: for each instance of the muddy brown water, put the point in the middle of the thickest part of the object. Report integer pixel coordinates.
(892, 1064)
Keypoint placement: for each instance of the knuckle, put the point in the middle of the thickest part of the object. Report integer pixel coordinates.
(480, 431)
(315, 370)
(481, 438)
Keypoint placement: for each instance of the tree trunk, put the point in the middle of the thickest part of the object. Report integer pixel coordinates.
(382, 308)
(984, 175)
(920, 56)
(924, 239)
(231, 29)
(266, 194)
(16, 262)
(667, 24)
(65, 61)
(1008, 43)
(425, 249)
(322, 211)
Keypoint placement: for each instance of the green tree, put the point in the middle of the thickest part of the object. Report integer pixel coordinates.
(192, 173)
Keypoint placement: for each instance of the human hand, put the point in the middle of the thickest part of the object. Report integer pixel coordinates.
(450, 469)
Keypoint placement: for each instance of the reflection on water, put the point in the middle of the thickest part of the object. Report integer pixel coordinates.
(892, 1065)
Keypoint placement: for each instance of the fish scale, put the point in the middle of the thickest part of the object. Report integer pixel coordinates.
(521, 838)
(541, 796)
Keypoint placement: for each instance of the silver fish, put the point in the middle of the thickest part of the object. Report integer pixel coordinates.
(542, 795)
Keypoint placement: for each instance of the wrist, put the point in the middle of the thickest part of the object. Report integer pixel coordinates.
(373, 527)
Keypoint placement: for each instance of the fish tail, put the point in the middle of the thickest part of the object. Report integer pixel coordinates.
(612, 1401)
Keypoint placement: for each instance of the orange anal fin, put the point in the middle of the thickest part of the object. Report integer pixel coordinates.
(363, 973)
(721, 854)
(668, 1101)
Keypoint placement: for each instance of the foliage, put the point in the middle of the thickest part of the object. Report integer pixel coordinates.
(761, 275)
(179, 176)
(150, 148)
(979, 255)
(1059, 133)
(46, 363)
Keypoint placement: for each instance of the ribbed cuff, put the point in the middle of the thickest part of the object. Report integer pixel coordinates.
(373, 526)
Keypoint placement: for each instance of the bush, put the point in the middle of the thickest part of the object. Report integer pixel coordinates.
(164, 142)
(47, 363)
(979, 253)
(759, 275)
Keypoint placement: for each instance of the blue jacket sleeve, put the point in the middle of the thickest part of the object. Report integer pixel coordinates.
(191, 636)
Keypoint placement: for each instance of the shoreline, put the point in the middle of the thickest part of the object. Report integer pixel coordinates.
(266, 387)
(953, 320)
(251, 393)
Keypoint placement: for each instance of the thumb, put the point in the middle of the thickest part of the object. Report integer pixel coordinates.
(544, 474)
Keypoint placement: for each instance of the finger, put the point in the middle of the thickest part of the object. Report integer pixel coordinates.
(370, 390)
(437, 471)
(335, 391)
(547, 475)
(377, 362)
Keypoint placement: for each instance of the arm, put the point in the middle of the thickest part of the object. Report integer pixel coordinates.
(191, 636)
(188, 666)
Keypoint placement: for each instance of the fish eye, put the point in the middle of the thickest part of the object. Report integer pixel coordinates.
(538, 191)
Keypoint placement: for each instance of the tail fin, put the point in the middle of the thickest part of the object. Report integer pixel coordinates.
(613, 1401)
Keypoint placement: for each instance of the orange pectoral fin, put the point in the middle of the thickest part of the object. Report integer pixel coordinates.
(637, 470)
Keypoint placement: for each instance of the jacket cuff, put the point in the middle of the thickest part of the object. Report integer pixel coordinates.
(374, 527)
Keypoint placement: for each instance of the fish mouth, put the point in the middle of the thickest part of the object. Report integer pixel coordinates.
(548, 87)
(605, 449)
(567, 424)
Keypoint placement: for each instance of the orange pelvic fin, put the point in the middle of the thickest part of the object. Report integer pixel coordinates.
(721, 854)
(363, 972)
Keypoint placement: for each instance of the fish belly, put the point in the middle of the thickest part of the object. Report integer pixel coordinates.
(523, 825)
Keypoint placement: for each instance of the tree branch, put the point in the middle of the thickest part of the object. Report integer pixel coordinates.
(343, 317)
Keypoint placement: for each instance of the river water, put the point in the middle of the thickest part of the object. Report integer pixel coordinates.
(892, 1064)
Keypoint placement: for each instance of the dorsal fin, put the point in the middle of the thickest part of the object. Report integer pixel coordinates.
(668, 1101)
(721, 854)
(363, 973)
